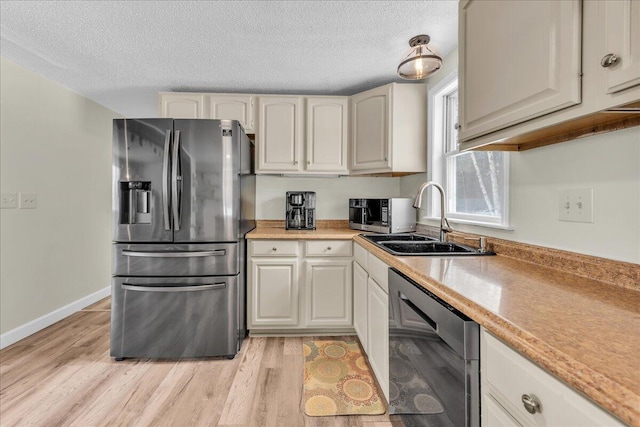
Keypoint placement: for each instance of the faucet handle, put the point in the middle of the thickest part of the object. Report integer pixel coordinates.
(482, 241)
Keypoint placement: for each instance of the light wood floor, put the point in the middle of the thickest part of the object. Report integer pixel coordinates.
(63, 375)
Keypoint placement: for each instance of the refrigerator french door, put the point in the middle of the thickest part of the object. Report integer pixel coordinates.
(179, 219)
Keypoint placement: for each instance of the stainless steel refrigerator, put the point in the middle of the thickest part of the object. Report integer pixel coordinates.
(183, 200)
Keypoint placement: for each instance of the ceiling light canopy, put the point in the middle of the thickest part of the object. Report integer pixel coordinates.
(421, 60)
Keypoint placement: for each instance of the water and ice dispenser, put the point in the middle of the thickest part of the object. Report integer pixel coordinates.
(135, 200)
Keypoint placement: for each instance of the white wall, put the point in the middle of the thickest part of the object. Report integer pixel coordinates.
(332, 194)
(56, 144)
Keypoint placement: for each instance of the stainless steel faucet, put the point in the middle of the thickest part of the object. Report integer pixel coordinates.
(444, 223)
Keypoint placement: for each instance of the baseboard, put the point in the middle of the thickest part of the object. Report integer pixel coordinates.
(49, 319)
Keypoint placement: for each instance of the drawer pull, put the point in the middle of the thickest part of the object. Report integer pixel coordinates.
(531, 404)
(328, 248)
(274, 248)
(609, 60)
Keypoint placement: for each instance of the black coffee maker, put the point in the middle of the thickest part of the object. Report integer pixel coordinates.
(301, 210)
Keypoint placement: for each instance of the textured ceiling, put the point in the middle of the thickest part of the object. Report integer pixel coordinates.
(121, 53)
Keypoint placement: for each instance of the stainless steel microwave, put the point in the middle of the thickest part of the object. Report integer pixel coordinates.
(391, 215)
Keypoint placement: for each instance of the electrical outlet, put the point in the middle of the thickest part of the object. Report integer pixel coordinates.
(28, 201)
(576, 205)
(8, 201)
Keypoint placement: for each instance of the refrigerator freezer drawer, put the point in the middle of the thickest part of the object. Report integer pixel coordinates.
(168, 317)
(176, 260)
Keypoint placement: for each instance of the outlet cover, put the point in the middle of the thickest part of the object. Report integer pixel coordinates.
(8, 201)
(28, 201)
(575, 205)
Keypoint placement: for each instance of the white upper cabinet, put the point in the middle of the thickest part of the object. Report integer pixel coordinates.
(370, 112)
(283, 145)
(279, 137)
(233, 107)
(517, 60)
(182, 105)
(327, 135)
(389, 129)
(534, 73)
(621, 57)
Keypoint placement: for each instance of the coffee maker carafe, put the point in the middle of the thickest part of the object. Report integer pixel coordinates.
(300, 210)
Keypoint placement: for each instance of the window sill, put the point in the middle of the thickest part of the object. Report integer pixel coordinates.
(470, 222)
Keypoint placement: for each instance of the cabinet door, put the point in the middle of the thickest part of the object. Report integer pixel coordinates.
(233, 107)
(378, 334)
(622, 33)
(327, 121)
(273, 292)
(279, 135)
(360, 277)
(328, 293)
(182, 105)
(370, 118)
(517, 60)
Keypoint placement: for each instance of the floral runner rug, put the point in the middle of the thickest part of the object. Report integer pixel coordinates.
(337, 380)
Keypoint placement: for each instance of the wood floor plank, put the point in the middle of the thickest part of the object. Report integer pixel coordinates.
(237, 406)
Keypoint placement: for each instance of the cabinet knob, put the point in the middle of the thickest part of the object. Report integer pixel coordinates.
(609, 60)
(328, 248)
(531, 404)
(274, 249)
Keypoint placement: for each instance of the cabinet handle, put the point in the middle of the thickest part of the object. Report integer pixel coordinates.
(609, 60)
(328, 248)
(531, 404)
(274, 249)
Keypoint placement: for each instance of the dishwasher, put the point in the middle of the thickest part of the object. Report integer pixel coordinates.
(434, 358)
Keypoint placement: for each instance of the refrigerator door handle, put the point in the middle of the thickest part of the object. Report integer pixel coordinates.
(180, 254)
(206, 287)
(165, 180)
(176, 180)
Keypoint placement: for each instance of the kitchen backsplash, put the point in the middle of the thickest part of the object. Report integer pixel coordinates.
(332, 194)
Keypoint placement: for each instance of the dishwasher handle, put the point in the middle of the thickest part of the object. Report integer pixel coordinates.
(419, 312)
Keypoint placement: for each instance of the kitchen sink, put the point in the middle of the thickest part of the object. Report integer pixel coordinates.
(412, 237)
(418, 245)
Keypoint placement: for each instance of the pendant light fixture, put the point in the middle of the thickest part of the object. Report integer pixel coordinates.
(421, 60)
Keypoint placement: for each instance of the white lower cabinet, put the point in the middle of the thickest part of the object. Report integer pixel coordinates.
(371, 314)
(378, 333)
(273, 292)
(298, 286)
(508, 378)
(328, 293)
(360, 316)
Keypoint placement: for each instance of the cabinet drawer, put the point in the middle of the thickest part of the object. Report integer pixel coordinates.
(510, 376)
(274, 248)
(360, 255)
(328, 247)
(379, 271)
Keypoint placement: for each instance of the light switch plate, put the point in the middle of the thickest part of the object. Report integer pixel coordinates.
(28, 201)
(575, 205)
(8, 201)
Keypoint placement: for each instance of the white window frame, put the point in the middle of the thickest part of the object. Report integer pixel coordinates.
(437, 163)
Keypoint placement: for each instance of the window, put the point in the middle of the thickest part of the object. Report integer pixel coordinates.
(476, 182)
